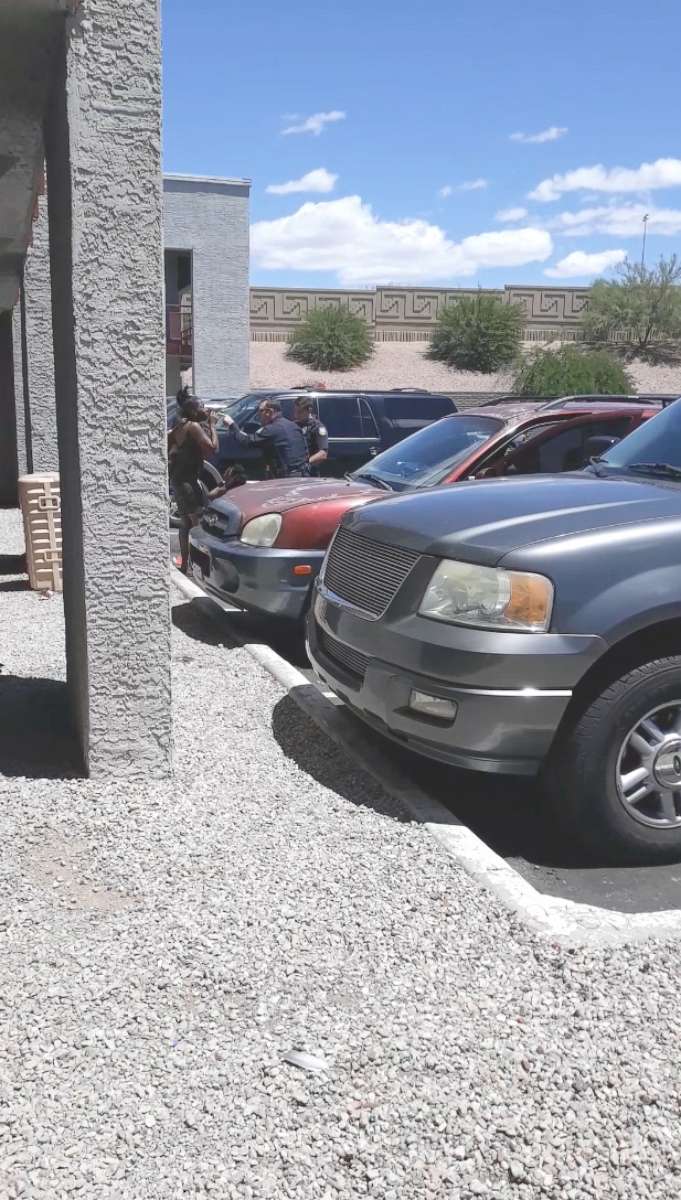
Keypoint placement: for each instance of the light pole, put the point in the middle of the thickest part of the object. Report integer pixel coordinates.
(643, 247)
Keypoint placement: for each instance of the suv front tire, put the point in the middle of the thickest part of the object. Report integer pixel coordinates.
(615, 775)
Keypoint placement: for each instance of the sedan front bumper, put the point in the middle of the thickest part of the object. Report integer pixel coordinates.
(252, 577)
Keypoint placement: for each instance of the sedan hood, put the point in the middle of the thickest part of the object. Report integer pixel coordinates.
(278, 495)
(489, 519)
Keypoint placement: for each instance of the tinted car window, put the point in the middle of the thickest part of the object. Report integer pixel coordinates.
(566, 449)
(369, 426)
(341, 416)
(427, 456)
(424, 408)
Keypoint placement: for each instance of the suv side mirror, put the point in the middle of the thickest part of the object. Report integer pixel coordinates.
(595, 446)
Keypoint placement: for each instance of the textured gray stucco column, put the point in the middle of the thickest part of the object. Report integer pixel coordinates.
(40, 356)
(8, 419)
(22, 406)
(210, 218)
(102, 141)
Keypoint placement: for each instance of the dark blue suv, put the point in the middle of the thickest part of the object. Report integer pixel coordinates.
(360, 424)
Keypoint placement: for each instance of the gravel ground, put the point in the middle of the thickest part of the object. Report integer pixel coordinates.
(402, 364)
(163, 948)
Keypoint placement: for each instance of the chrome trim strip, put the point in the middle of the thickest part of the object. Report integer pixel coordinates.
(327, 594)
(526, 693)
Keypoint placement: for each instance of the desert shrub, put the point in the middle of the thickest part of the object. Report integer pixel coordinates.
(570, 371)
(642, 306)
(331, 339)
(478, 333)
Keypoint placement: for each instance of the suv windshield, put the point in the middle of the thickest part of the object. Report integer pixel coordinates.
(656, 443)
(422, 459)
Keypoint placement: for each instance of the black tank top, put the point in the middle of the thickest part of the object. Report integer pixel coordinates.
(187, 460)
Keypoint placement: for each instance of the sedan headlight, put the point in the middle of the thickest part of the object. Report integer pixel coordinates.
(262, 531)
(488, 597)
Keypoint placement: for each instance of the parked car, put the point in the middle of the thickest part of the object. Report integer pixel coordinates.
(263, 547)
(527, 625)
(359, 424)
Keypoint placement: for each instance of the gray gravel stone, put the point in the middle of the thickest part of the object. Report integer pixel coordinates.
(274, 897)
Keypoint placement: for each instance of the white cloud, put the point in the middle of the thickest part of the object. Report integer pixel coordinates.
(663, 173)
(579, 264)
(315, 123)
(537, 139)
(319, 180)
(473, 185)
(510, 215)
(618, 220)
(344, 236)
(446, 191)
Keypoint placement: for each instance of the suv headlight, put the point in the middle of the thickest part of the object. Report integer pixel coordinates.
(262, 531)
(488, 597)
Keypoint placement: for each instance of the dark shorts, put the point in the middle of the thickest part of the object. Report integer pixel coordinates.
(189, 498)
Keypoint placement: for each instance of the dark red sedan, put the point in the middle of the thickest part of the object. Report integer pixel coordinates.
(261, 548)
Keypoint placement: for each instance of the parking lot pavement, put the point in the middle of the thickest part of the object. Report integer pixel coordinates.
(506, 813)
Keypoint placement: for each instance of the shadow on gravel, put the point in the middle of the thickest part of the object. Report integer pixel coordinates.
(326, 762)
(36, 737)
(198, 620)
(12, 564)
(14, 585)
(194, 619)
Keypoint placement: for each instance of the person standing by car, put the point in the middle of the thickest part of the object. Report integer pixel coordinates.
(284, 440)
(316, 435)
(188, 444)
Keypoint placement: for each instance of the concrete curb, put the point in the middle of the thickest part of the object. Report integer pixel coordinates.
(564, 921)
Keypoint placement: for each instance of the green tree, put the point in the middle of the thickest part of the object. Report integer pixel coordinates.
(572, 372)
(478, 333)
(331, 339)
(642, 306)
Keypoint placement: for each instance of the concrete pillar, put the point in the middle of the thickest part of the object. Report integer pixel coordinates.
(8, 418)
(102, 142)
(21, 397)
(39, 346)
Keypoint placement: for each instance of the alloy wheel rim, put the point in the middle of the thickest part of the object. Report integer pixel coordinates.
(648, 771)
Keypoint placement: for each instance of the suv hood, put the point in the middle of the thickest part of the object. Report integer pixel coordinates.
(489, 519)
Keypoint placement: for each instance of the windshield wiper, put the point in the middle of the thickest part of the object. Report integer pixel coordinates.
(654, 468)
(375, 479)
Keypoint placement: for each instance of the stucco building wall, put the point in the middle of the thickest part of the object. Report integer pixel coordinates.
(210, 218)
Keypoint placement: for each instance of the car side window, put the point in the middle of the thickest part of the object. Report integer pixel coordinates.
(617, 427)
(550, 454)
(369, 426)
(341, 416)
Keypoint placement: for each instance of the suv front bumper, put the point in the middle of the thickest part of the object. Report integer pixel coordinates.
(504, 725)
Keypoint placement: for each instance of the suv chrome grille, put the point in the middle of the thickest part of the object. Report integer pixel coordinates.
(353, 660)
(365, 573)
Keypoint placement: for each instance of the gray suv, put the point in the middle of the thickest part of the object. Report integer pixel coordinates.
(527, 625)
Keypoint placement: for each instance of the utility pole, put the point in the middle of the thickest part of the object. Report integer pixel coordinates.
(643, 247)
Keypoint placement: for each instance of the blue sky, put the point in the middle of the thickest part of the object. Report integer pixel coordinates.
(412, 176)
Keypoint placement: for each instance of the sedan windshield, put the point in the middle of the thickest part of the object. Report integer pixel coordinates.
(426, 457)
(653, 449)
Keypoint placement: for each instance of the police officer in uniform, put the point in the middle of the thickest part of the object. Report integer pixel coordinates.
(316, 435)
(282, 440)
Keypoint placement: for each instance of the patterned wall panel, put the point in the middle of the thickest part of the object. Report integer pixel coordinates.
(411, 308)
(550, 306)
(284, 308)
